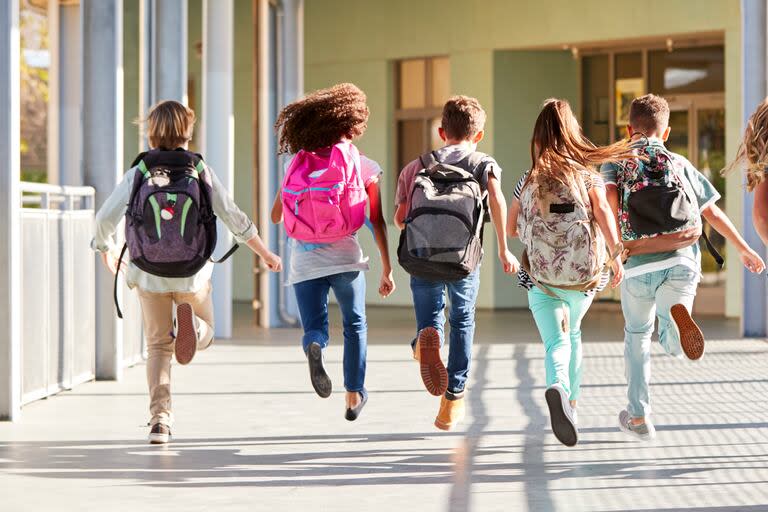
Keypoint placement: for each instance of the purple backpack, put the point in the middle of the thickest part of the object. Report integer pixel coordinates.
(170, 227)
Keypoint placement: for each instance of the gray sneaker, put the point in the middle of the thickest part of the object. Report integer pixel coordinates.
(643, 432)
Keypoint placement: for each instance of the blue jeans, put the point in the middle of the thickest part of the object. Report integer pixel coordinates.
(429, 305)
(562, 344)
(312, 298)
(643, 299)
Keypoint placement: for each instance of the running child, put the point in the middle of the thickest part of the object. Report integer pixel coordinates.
(565, 223)
(170, 200)
(442, 201)
(322, 201)
(660, 199)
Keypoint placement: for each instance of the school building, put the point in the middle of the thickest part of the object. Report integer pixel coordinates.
(236, 62)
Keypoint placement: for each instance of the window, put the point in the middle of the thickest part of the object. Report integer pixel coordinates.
(423, 86)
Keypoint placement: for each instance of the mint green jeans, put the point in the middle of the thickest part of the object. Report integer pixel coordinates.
(562, 343)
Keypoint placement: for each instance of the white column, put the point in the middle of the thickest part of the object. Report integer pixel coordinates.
(218, 135)
(145, 64)
(68, 61)
(10, 245)
(103, 151)
(753, 82)
(168, 22)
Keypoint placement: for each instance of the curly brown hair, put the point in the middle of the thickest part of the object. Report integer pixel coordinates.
(322, 118)
(753, 150)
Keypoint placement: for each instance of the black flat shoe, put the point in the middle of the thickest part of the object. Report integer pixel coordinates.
(353, 414)
(317, 374)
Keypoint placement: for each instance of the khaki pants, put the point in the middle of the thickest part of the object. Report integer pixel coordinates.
(157, 311)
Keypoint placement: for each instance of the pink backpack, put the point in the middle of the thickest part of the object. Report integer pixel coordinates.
(324, 196)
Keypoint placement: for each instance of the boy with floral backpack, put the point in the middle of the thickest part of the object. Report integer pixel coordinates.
(659, 198)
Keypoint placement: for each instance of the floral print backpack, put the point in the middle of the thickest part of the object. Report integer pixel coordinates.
(564, 246)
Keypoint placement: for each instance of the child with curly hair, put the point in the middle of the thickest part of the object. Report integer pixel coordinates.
(753, 154)
(322, 201)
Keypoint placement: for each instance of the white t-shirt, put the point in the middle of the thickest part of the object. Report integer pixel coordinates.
(311, 261)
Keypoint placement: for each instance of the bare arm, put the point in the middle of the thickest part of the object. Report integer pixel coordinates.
(386, 285)
(514, 211)
(400, 213)
(723, 225)
(498, 206)
(277, 210)
(605, 216)
(760, 211)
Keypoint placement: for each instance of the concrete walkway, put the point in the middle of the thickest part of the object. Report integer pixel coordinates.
(251, 435)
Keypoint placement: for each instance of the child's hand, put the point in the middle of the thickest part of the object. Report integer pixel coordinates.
(508, 262)
(273, 261)
(618, 272)
(110, 261)
(386, 284)
(752, 261)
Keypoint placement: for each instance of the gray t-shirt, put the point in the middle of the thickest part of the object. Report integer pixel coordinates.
(312, 261)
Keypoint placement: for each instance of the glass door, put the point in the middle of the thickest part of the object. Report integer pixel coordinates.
(698, 133)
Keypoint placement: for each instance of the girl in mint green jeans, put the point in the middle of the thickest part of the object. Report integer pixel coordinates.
(560, 152)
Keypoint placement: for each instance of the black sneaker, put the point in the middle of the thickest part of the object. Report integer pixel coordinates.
(317, 374)
(159, 434)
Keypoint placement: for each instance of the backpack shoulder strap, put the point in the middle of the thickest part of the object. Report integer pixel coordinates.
(139, 158)
(429, 160)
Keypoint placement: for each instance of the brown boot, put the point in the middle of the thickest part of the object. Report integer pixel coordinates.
(691, 337)
(433, 372)
(452, 412)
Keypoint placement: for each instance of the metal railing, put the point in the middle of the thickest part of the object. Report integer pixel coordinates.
(58, 332)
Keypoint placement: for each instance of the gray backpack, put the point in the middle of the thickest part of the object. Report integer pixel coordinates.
(442, 238)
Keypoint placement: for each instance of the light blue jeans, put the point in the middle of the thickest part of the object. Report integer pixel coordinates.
(562, 343)
(643, 299)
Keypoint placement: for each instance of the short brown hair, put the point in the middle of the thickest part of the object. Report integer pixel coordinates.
(649, 114)
(170, 125)
(463, 117)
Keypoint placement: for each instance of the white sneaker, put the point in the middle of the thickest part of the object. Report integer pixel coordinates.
(643, 432)
(561, 415)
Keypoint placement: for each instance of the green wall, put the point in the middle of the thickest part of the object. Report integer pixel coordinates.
(496, 48)
(519, 95)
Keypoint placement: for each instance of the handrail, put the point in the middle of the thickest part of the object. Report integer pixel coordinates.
(64, 190)
(66, 197)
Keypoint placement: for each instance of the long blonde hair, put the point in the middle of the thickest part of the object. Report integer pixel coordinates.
(753, 150)
(560, 150)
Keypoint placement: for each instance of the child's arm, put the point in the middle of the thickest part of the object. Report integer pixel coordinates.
(400, 213)
(723, 225)
(387, 283)
(107, 219)
(605, 216)
(277, 209)
(514, 211)
(239, 224)
(760, 210)
(498, 207)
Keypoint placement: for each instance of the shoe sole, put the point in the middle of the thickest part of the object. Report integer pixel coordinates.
(433, 372)
(186, 336)
(317, 374)
(159, 438)
(691, 337)
(563, 428)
